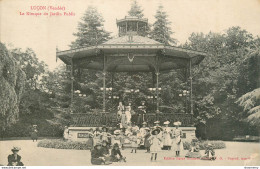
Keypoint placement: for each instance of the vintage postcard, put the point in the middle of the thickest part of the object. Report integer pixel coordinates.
(129, 83)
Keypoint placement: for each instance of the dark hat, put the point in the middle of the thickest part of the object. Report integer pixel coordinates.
(194, 140)
(104, 128)
(104, 141)
(158, 131)
(16, 149)
(116, 145)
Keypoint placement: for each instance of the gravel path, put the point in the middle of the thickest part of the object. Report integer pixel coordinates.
(236, 153)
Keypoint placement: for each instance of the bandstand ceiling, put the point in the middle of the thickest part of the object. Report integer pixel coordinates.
(146, 53)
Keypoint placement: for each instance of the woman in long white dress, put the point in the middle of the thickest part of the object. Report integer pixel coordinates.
(120, 109)
(128, 114)
(177, 144)
(167, 141)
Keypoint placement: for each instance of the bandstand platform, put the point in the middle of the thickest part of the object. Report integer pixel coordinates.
(131, 51)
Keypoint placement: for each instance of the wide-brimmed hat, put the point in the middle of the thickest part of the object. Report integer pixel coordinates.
(195, 140)
(209, 145)
(99, 143)
(166, 122)
(144, 123)
(158, 131)
(117, 132)
(16, 149)
(177, 123)
(34, 125)
(157, 122)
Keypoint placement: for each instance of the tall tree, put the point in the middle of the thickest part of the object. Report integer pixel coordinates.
(91, 30)
(161, 30)
(12, 81)
(136, 10)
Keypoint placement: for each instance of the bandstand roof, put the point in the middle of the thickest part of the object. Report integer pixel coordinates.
(147, 55)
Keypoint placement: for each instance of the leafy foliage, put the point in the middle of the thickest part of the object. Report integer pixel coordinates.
(12, 81)
(251, 104)
(217, 81)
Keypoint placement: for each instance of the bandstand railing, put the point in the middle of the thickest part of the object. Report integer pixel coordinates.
(110, 119)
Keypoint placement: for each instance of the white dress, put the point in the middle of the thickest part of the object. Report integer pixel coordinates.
(167, 141)
(128, 114)
(96, 137)
(177, 144)
(155, 143)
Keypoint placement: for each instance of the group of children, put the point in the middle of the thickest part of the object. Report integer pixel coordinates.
(153, 139)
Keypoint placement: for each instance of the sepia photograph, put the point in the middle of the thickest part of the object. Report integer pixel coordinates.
(130, 83)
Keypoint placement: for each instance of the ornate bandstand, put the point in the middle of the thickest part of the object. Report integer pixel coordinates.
(131, 51)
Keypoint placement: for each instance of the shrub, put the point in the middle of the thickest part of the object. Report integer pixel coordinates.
(61, 144)
(203, 144)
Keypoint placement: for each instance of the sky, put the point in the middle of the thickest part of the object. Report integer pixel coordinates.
(44, 33)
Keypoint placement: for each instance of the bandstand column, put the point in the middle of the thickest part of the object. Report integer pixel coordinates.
(72, 84)
(104, 91)
(191, 101)
(157, 92)
(104, 85)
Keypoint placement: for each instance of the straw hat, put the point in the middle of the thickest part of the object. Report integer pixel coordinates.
(99, 143)
(144, 123)
(166, 122)
(158, 131)
(177, 123)
(157, 122)
(117, 132)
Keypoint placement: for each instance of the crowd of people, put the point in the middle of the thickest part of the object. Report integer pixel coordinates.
(106, 145)
(153, 139)
(133, 132)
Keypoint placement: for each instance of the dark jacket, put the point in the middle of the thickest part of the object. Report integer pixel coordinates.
(95, 153)
(11, 159)
(95, 156)
(105, 150)
(115, 152)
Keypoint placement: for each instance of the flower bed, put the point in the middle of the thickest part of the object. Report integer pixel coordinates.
(203, 144)
(61, 144)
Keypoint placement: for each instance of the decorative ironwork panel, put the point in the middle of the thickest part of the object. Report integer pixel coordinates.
(110, 119)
